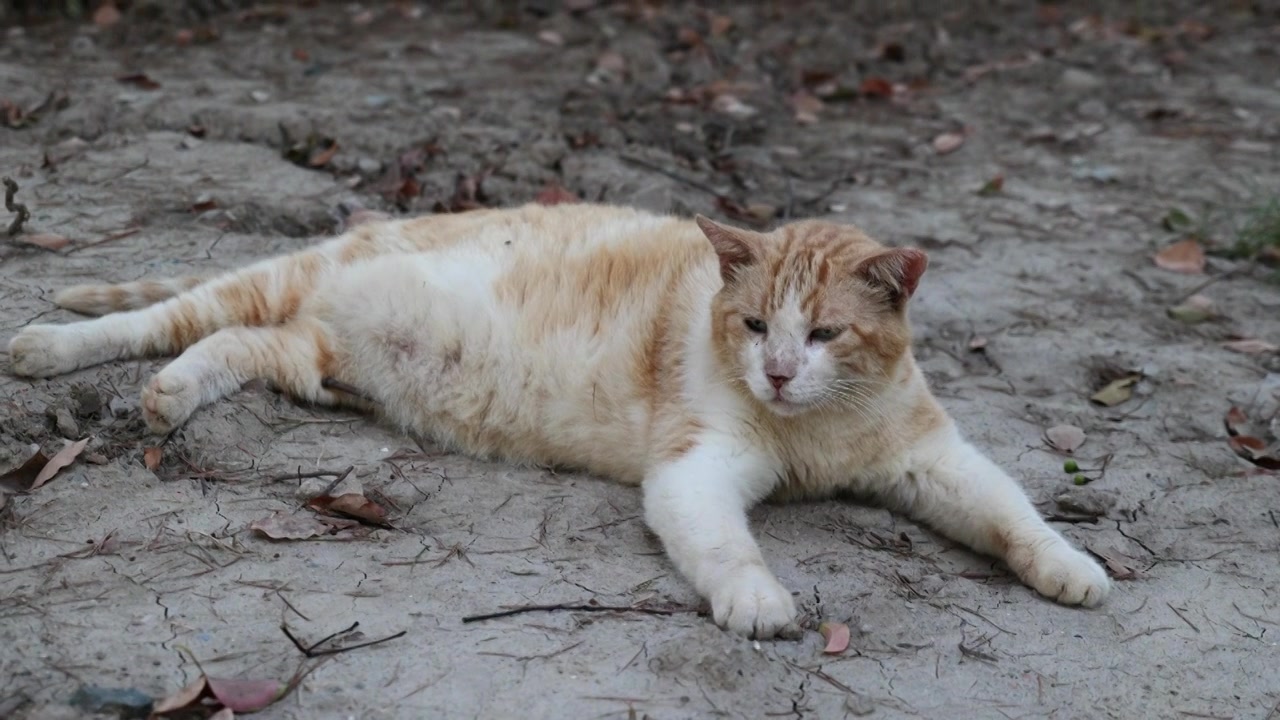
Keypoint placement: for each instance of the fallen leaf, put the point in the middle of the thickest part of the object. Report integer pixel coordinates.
(1250, 346)
(978, 344)
(551, 37)
(837, 637)
(1066, 438)
(283, 526)
(994, 186)
(1195, 309)
(246, 695)
(1116, 391)
(553, 193)
(46, 241)
(351, 505)
(184, 37)
(1175, 220)
(1234, 419)
(1185, 256)
(875, 87)
(140, 80)
(63, 458)
(106, 15)
(181, 699)
(204, 205)
(151, 458)
(20, 478)
(806, 106)
(947, 142)
(321, 156)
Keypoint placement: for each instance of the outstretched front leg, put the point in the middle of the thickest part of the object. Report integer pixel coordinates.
(697, 504)
(954, 488)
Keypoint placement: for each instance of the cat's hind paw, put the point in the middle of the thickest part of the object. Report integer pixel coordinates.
(756, 605)
(1069, 576)
(41, 351)
(168, 400)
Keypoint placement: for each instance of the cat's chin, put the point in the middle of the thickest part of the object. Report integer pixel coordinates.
(785, 408)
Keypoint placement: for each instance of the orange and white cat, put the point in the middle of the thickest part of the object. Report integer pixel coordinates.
(710, 365)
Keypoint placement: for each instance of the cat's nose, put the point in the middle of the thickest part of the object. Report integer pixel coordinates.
(779, 380)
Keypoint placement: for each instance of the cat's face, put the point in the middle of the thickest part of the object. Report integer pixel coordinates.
(812, 315)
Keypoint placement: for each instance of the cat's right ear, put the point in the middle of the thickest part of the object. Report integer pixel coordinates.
(731, 246)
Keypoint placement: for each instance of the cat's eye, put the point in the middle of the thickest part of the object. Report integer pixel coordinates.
(824, 334)
(755, 325)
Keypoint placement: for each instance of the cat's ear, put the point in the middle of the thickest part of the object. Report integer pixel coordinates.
(897, 271)
(731, 245)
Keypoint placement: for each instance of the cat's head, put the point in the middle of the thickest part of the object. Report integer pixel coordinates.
(811, 315)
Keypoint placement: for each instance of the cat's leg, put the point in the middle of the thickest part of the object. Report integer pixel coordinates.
(697, 504)
(961, 493)
(297, 357)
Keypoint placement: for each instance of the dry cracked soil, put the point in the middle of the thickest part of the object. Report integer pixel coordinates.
(1036, 152)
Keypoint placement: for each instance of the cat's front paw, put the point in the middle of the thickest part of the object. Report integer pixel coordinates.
(168, 400)
(1068, 576)
(41, 351)
(755, 604)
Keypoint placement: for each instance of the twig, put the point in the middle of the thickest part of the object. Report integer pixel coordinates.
(1182, 617)
(576, 608)
(1216, 278)
(104, 240)
(313, 474)
(976, 654)
(311, 651)
(11, 189)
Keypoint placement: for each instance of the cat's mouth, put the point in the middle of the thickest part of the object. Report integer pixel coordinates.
(784, 407)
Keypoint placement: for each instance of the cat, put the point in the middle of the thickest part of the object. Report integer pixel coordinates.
(711, 365)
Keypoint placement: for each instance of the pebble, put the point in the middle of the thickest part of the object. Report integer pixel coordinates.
(368, 165)
(1077, 79)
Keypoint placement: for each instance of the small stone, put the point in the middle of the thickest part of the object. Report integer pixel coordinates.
(1077, 79)
(377, 102)
(260, 96)
(120, 407)
(87, 401)
(67, 426)
(368, 165)
(1087, 501)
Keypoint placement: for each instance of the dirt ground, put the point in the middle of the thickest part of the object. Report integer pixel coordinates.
(1039, 293)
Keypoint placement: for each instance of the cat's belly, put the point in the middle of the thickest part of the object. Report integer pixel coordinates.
(432, 342)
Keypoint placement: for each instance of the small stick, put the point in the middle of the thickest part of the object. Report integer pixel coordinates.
(576, 608)
(311, 651)
(109, 238)
(11, 189)
(313, 474)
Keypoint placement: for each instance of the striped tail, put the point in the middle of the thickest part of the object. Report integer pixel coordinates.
(101, 299)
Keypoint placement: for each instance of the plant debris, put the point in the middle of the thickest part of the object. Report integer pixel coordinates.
(1250, 346)
(151, 458)
(1119, 566)
(351, 505)
(1251, 447)
(139, 80)
(1185, 256)
(287, 526)
(1193, 310)
(1066, 438)
(23, 214)
(837, 637)
(1116, 391)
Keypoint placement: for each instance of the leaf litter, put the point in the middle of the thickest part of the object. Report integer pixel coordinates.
(1066, 438)
(39, 468)
(1254, 447)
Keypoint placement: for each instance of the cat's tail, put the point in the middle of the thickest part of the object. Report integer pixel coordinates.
(101, 299)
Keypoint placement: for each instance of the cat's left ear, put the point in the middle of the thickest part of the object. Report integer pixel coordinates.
(731, 246)
(897, 271)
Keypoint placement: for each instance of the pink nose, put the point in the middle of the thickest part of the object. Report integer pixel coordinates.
(779, 380)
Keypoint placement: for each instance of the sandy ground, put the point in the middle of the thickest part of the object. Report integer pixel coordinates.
(116, 575)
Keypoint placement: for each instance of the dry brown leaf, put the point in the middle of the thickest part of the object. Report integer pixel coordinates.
(46, 240)
(106, 15)
(1234, 419)
(1119, 565)
(1250, 346)
(553, 193)
(1185, 256)
(322, 156)
(20, 478)
(876, 87)
(978, 343)
(246, 695)
(283, 526)
(140, 80)
(1116, 391)
(837, 637)
(1066, 438)
(352, 505)
(63, 458)
(181, 699)
(947, 142)
(151, 458)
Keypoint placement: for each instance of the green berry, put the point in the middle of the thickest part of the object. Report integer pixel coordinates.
(1080, 480)
(1070, 466)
